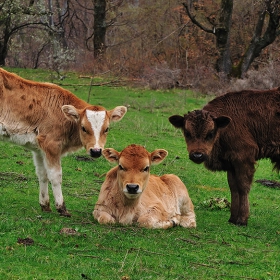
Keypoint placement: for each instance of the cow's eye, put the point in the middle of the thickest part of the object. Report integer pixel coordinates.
(106, 130)
(146, 169)
(210, 135)
(187, 134)
(120, 167)
(83, 129)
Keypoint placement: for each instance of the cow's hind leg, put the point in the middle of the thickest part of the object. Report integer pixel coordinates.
(154, 221)
(187, 218)
(41, 172)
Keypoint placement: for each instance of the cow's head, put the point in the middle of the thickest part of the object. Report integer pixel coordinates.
(201, 130)
(134, 167)
(93, 123)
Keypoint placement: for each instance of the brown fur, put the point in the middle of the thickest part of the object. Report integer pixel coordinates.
(50, 121)
(161, 202)
(231, 133)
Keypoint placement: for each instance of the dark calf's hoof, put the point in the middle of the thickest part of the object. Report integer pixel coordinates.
(237, 222)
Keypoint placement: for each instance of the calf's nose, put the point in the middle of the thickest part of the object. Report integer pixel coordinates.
(197, 157)
(96, 153)
(132, 188)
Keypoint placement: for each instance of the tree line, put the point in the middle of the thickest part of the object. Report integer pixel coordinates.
(162, 41)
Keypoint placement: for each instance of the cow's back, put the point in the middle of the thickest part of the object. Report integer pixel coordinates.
(27, 106)
(255, 119)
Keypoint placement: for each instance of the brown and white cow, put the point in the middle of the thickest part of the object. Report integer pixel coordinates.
(51, 122)
(130, 194)
(230, 134)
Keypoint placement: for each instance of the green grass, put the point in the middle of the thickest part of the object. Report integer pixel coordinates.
(214, 250)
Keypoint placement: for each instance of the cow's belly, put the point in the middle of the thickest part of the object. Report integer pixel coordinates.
(27, 140)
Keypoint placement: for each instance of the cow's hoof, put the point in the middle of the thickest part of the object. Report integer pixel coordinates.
(238, 222)
(63, 211)
(46, 208)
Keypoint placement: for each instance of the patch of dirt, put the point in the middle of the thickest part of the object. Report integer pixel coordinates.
(217, 203)
(84, 158)
(269, 183)
(25, 241)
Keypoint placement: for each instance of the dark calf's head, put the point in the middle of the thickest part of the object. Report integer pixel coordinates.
(201, 130)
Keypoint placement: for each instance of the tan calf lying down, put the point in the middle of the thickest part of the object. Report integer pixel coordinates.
(131, 195)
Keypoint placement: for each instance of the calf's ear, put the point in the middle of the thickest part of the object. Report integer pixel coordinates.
(70, 112)
(111, 155)
(157, 156)
(222, 121)
(177, 121)
(117, 113)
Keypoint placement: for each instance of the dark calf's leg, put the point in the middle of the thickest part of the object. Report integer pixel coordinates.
(240, 181)
(234, 208)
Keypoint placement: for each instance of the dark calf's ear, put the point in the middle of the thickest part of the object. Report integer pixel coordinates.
(222, 121)
(177, 121)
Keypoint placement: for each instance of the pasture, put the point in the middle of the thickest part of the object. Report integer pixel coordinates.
(37, 245)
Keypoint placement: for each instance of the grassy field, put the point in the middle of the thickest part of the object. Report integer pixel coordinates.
(33, 246)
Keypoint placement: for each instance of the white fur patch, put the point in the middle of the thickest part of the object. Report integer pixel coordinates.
(27, 139)
(96, 120)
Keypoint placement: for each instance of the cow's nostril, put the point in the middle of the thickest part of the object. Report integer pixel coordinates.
(197, 155)
(132, 188)
(95, 152)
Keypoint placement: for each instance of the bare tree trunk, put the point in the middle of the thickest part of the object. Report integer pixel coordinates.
(258, 42)
(271, 9)
(99, 27)
(221, 31)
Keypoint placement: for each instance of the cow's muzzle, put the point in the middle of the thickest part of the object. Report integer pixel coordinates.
(96, 153)
(132, 188)
(197, 157)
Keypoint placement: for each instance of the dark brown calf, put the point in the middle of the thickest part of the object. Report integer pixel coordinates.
(230, 134)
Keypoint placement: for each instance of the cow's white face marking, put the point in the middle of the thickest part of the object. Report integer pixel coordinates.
(96, 120)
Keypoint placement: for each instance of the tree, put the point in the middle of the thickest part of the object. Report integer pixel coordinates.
(14, 16)
(264, 33)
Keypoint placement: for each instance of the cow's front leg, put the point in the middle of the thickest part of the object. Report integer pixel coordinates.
(54, 172)
(240, 182)
(103, 217)
(41, 172)
(55, 177)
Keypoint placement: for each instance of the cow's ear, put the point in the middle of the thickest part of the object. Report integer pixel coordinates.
(111, 155)
(222, 121)
(117, 113)
(177, 121)
(70, 112)
(157, 156)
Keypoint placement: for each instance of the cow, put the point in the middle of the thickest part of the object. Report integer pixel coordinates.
(51, 122)
(130, 195)
(230, 134)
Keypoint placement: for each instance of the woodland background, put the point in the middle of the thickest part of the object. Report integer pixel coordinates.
(207, 45)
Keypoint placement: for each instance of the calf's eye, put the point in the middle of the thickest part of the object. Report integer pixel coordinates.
(146, 169)
(187, 134)
(83, 129)
(121, 168)
(210, 135)
(106, 130)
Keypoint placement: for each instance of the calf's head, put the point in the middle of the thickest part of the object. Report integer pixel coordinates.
(201, 130)
(93, 124)
(134, 167)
